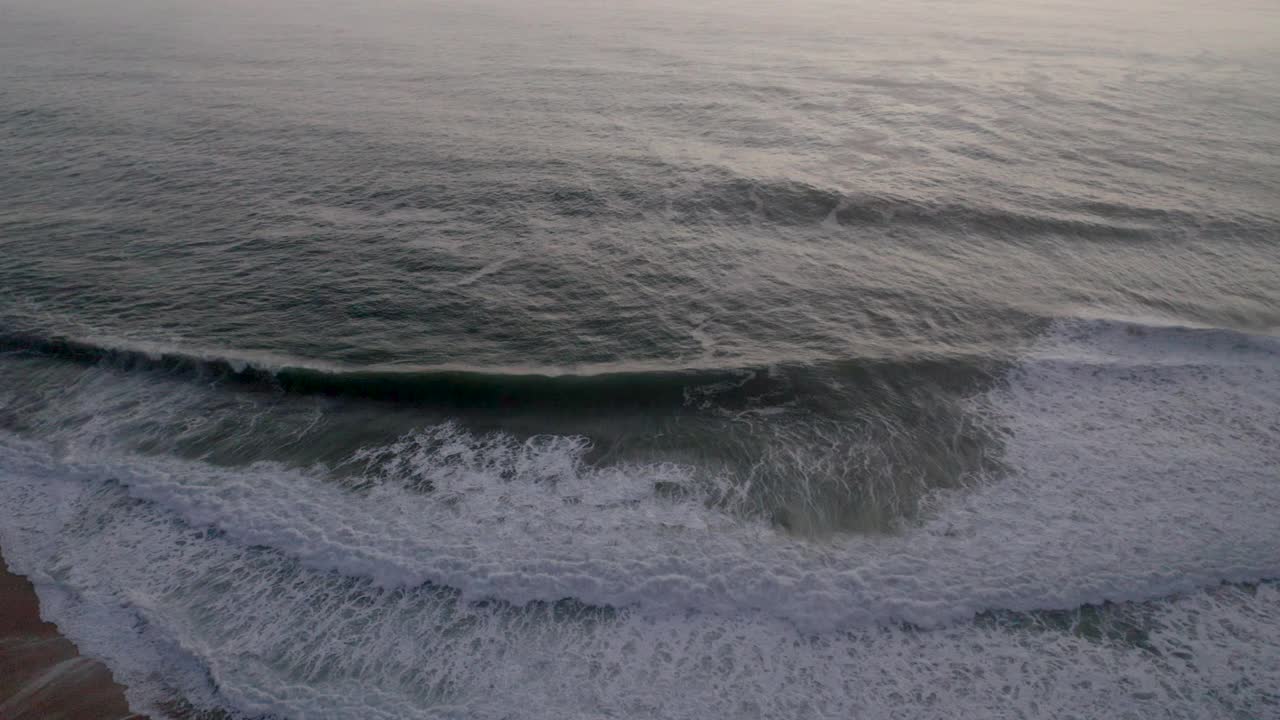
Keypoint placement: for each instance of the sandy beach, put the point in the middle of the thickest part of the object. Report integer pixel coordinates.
(42, 674)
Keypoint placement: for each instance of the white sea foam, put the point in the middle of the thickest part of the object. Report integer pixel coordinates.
(1144, 466)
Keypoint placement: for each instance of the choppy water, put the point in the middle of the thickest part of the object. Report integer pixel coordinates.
(544, 359)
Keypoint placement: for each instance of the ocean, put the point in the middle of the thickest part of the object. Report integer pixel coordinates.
(561, 359)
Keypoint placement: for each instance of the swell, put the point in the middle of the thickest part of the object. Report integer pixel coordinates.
(731, 199)
(477, 389)
(786, 202)
(791, 202)
(819, 384)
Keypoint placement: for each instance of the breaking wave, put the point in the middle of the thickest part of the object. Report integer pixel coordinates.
(437, 556)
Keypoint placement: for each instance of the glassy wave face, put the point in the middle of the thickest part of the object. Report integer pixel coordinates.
(536, 360)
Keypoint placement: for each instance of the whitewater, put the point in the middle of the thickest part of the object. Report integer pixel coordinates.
(1142, 477)
(522, 359)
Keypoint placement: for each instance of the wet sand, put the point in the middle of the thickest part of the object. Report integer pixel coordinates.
(42, 675)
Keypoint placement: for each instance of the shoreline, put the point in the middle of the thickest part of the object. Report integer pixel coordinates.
(43, 676)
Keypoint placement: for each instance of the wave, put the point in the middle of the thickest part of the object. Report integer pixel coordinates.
(788, 202)
(605, 387)
(729, 198)
(612, 386)
(526, 521)
(1129, 482)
